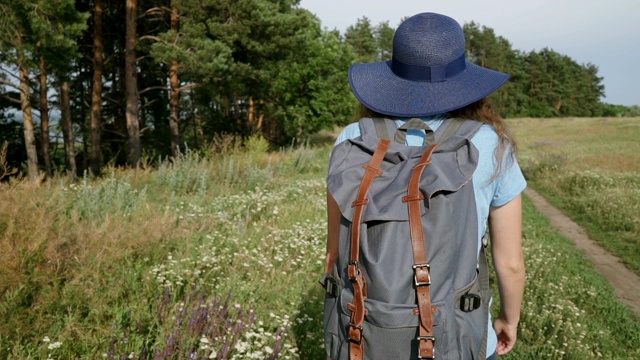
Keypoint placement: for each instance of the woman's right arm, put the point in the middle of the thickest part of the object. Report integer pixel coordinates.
(505, 224)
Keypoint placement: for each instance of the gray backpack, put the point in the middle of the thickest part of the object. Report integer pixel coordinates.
(410, 281)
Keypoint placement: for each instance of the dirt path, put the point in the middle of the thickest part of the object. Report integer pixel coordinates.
(626, 283)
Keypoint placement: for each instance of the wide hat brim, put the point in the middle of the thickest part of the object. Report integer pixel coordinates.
(381, 90)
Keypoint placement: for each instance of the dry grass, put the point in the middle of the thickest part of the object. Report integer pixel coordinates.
(609, 144)
(53, 251)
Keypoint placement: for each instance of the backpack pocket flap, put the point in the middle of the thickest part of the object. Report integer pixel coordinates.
(387, 315)
(452, 166)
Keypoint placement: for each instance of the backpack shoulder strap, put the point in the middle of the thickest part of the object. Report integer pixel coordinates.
(457, 126)
(387, 128)
(381, 127)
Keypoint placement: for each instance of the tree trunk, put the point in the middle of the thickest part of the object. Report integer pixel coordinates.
(27, 117)
(44, 117)
(174, 101)
(133, 126)
(96, 91)
(260, 121)
(252, 115)
(81, 108)
(67, 131)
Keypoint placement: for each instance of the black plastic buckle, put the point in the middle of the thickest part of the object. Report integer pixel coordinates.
(427, 338)
(359, 329)
(415, 276)
(330, 285)
(470, 302)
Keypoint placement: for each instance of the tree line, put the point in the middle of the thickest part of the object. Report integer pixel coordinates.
(123, 79)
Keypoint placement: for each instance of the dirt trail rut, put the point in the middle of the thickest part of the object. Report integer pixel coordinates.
(626, 283)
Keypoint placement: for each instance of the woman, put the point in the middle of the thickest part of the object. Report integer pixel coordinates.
(430, 79)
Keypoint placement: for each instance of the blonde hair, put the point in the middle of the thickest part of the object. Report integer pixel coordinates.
(483, 111)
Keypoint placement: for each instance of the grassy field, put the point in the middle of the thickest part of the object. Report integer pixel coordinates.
(217, 256)
(590, 169)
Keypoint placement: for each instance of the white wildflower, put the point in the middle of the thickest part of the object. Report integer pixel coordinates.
(55, 345)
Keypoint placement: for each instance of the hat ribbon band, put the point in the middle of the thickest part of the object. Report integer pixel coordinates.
(429, 73)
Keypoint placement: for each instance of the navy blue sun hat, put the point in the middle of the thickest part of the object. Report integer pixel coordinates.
(428, 73)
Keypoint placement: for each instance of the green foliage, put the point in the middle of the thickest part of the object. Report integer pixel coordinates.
(256, 145)
(384, 40)
(370, 43)
(611, 110)
(314, 87)
(203, 46)
(260, 59)
(360, 37)
(44, 27)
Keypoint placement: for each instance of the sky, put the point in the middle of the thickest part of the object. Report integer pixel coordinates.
(605, 33)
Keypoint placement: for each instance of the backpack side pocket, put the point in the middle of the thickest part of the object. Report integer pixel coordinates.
(472, 316)
(332, 286)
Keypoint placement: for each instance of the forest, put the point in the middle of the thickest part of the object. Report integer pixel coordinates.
(86, 84)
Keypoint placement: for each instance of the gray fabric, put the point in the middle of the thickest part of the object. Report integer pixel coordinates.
(415, 123)
(449, 129)
(453, 164)
(381, 128)
(451, 233)
(378, 127)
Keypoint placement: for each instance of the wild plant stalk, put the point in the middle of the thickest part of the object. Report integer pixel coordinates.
(5, 169)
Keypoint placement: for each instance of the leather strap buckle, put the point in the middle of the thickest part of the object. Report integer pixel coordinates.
(427, 338)
(417, 283)
(352, 271)
(353, 329)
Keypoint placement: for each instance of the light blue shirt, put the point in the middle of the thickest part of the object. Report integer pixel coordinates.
(489, 191)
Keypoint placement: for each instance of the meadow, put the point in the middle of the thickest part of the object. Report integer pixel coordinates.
(217, 256)
(590, 169)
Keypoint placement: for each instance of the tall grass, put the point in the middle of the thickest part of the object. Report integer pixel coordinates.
(216, 255)
(192, 259)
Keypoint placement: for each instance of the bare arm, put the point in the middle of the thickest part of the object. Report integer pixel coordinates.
(505, 223)
(333, 232)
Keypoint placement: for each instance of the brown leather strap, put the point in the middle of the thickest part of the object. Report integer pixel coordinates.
(371, 170)
(422, 275)
(358, 311)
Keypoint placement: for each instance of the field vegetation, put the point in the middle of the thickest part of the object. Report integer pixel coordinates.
(590, 169)
(217, 254)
